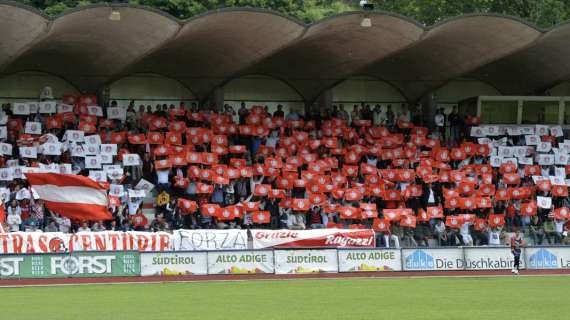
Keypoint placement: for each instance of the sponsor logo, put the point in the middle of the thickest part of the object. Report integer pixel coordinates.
(10, 266)
(57, 245)
(543, 259)
(82, 265)
(419, 260)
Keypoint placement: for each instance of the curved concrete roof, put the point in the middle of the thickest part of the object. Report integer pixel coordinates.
(335, 48)
(451, 49)
(533, 69)
(16, 36)
(87, 49)
(211, 48)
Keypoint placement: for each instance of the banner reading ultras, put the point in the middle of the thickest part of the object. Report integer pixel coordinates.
(56, 242)
(179, 240)
(363, 238)
(79, 264)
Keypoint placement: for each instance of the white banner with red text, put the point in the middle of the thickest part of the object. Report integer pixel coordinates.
(179, 240)
(334, 238)
(57, 242)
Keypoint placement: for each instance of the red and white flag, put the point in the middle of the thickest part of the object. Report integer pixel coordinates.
(73, 196)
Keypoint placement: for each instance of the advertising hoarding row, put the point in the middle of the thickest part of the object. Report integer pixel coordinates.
(267, 261)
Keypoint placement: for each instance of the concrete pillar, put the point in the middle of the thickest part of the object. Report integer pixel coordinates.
(324, 100)
(215, 100)
(429, 108)
(104, 96)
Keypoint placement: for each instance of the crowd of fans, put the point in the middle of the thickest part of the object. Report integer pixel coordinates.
(222, 168)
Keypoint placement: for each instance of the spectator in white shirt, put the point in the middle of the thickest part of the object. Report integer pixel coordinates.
(495, 236)
(465, 235)
(377, 116)
(63, 223)
(439, 120)
(14, 221)
(440, 233)
(14, 208)
(296, 221)
(84, 227)
(405, 115)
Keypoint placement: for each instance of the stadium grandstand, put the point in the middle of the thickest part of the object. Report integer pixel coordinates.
(125, 129)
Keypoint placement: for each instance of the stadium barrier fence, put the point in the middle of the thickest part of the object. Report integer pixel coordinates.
(277, 261)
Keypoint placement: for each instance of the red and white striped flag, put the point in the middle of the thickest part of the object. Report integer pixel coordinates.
(2, 218)
(73, 196)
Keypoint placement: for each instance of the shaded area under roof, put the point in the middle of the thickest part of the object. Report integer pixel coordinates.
(86, 48)
(213, 47)
(90, 51)
(450, 50)
(533, 69)
(332, 50)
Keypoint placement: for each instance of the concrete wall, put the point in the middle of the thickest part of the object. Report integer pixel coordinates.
(27, 86)
(461, 89)
(149, 89)
(262, 90)
(358, 89)
(562, 89)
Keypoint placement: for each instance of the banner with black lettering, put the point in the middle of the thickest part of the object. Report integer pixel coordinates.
(209, 240)
(491, 259)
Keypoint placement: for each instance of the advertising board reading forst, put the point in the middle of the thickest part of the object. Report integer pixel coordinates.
(80, 264)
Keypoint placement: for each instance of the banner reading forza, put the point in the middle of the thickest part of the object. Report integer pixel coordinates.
(341, 238)
(209, 240)
(80, 264)
(240, 262)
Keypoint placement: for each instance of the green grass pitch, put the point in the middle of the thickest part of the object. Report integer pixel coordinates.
(545, 297)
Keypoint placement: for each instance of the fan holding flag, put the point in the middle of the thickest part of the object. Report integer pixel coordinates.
(72, 196)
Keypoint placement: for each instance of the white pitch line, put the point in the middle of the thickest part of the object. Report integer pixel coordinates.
(282, 279)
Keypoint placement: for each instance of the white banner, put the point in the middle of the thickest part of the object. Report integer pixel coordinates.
(432, 259)
(173, 263)
(363, 260)
(117, 113)
(20, 108)
(48, 107)
(5, 149)
(548, 258)
(490, 259)
(192, 240)
(240, 262)
(37, 242)
(313, 238)
(305, 261)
